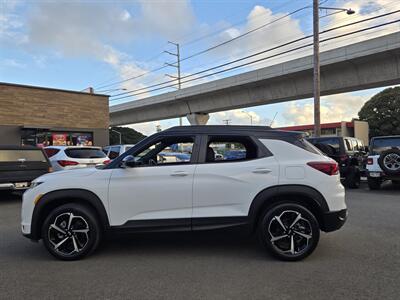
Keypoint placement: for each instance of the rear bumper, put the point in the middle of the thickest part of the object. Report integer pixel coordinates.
(12, 186)
(334, 220)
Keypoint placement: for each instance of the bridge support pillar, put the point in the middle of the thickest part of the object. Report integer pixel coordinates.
(198, 118)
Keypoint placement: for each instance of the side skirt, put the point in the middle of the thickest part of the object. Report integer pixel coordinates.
(187, 224)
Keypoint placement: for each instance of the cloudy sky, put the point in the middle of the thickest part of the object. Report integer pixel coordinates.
(103, 44)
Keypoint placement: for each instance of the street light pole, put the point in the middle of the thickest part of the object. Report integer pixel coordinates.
(316, 85)
(120, 135)
(317, 74)
(249, 114)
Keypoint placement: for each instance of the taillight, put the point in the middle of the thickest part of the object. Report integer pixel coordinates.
(64, 163)
(106, 161)
(329, 168)
(370, 161)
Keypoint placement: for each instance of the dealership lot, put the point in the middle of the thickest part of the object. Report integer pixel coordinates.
(361, 261)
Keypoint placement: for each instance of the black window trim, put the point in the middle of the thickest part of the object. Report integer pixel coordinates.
(193, 157)
(262, 151)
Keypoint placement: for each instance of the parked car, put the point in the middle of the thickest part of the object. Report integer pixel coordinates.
(383, 161)
(234, 154)
(113, 151)
(284, 189)
(19, 165)
(350, 153)
(73, 157)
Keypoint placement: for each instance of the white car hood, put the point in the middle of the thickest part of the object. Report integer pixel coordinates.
(81, 172)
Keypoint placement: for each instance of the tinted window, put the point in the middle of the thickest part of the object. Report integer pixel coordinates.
(380, 145)
(330, 146)
(168, 150)
(230, 149)
(21, 155)
(51, 151)
(105, 150)
(348, 145)
(303, 144)
(114, 152)
(84, 153)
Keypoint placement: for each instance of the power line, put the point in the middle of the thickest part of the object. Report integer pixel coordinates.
(210, 48)
(258, 60)
(259, 53)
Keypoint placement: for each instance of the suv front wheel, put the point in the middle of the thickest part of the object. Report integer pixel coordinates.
(289, 231)
(71, 231)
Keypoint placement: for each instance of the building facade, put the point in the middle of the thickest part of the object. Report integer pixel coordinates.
(355, 128)
(41, 116)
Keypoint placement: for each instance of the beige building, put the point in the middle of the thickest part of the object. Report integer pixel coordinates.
(31, 115)
(355, 128)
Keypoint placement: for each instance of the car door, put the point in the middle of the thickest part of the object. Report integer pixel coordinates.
(226, 185)
(155, 192)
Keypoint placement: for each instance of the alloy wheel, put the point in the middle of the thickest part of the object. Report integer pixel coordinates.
(290, 233)
(392, 161)
(68, 234)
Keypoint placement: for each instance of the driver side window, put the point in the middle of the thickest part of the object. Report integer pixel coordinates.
(166, 151)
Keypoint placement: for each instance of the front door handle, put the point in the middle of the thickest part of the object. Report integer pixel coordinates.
(262, 171)
(179, 173)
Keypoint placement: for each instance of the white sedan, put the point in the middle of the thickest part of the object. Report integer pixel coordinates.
(72, 157)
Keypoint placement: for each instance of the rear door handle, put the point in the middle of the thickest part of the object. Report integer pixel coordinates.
(179, 173)
(262, 171)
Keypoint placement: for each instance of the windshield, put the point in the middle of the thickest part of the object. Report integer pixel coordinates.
(84, 153)
(383, 144)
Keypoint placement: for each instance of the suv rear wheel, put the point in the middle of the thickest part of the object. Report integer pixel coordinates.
(374, 183)
(353, 178)
(289, 231)
(71, 231)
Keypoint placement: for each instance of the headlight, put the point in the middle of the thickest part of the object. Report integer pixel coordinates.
(35, 184)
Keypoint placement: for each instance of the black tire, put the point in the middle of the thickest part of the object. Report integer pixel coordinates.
(83, 219)
(389, 161)
(269, 227)
(396, 182)
(353, 179)
(374, 183)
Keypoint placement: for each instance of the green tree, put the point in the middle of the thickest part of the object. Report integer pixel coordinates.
(128, 135)
(382, 112)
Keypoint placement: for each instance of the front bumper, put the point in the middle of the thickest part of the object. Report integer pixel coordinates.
(334, 220)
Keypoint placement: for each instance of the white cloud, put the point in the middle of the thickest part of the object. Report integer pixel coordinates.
(334, 108)
(9, 62)
(238, 117)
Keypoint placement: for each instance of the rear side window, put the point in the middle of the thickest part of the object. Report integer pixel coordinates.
(348, 145)
(304, 144)
(221, 148)
(21, 155)
(84, 153)
(114, 152)
(51, 152)
(330, 146)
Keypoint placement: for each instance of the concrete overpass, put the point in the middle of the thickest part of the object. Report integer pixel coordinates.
(367, 64)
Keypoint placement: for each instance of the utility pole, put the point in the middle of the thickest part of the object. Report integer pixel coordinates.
(119, 133)
(317, 75)
(316, 85)
(177, 66)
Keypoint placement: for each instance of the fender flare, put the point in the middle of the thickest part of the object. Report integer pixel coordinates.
(60, 197)
(268, 195)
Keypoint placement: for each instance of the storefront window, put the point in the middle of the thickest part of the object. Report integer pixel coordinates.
(43, 138)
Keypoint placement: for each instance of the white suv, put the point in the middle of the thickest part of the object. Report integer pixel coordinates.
(283, 188)
(74, 157)
(383, 161)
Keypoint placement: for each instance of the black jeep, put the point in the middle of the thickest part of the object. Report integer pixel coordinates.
(349, 152)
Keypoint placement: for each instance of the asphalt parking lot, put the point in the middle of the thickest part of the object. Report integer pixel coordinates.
(361, 261)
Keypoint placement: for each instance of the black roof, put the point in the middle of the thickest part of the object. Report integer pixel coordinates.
(260, 131)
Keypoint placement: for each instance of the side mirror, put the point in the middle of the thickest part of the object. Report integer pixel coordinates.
(128, 162)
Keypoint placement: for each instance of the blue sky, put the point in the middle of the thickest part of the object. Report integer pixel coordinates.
(75, 44)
